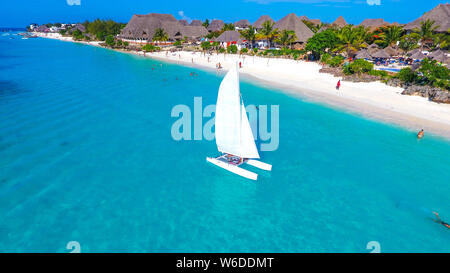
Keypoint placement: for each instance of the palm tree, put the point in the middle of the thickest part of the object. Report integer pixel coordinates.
(160, 35)
(250, 35)
(286, 37)
(392, 34)
(351, 39)
(229, 26)
(206, 23)
(268, 32)
(426, 31)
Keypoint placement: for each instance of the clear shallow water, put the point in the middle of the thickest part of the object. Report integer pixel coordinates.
(86, 155)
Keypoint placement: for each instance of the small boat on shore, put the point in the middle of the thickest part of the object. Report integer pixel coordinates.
(234, 136)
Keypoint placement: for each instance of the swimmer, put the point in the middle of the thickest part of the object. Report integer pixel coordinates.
(439, 221)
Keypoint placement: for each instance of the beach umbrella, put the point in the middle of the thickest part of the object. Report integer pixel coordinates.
(381, 54)
(436, 53)
(363, 54)
(414, 51)
(391, 51)
(418, 56)
(440, 58)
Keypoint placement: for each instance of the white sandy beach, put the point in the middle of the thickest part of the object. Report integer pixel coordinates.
(373, 100)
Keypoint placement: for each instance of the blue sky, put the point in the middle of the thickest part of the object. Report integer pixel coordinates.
(18, 13)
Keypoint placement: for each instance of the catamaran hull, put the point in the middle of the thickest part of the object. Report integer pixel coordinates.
(233, 168)
(259, 164)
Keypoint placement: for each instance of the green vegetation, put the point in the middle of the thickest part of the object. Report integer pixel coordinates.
(429, 73)
(206, 23)
(250, 35)
(286, 38)
(160, 35)
(100, 29)
(322, 42)
(229, 26)
(109, 40)
(268, 32)
(77, 35)
(232, 49)
(358, 67)
(150, 48)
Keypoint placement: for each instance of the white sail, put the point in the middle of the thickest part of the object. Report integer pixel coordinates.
(248, 146)
(233, 132)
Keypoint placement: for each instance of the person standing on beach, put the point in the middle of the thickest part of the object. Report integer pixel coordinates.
(338, 85)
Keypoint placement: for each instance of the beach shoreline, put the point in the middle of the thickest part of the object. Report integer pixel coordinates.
(374, 100)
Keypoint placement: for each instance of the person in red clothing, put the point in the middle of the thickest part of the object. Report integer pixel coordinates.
(240, 65)
(338, 85)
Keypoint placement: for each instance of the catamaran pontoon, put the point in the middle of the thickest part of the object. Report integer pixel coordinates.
(234, 135)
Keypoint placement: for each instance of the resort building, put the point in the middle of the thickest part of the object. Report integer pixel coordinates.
(440, 15)
(242, 24)
(373, 24)
(294, 23)
(231, 37)
(141, 28)
(215, 25)
(196, 23)
(340, 22)
(258, 24)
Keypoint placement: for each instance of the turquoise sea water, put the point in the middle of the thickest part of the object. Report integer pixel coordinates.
(86, 155)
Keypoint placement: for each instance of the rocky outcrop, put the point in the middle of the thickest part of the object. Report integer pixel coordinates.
(432, 93)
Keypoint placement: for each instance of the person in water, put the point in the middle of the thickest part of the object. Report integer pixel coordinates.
(439, 221)
(421, 134)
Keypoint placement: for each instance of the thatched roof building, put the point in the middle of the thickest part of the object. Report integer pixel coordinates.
(363, 54)
(242, 23)
(183, 22)
(315, 21)
(381, 54)
(414, 51)
(258, 24)
(340, 22)
(440, 14)
(373, 48)
(418, 56)
(440, 58)
(436, 53)
(143, 27)
(294, 23)
(196, 23)
(373, 24)
(391, 51)
(216, 25)
(229, 36)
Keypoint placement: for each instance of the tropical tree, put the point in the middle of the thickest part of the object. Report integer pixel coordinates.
(351, 39)
(286, 37)
(268, 32)
(322, 42)
(389, 35)
(409, 42)
(426, 31)
(442, 40)
(206, 23)
(250, 35)
(229, 26)
(160, 35)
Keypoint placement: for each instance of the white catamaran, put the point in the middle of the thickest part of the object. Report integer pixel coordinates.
(234, 136)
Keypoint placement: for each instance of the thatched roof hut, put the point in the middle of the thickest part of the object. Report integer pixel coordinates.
(418, 56)
(436, 53)
(391, 51)
(373, 48)
(183, 22)
(196, 23)
(315, 21)
(229, 36)
(363, 54)
(440, 14)
(242, 23)
(414, 51)
(216, 25)
(440, 58)
(143, 27)
(373, 24)
(340, 22)
(294, 23)
(380, 54)
(258, 24)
